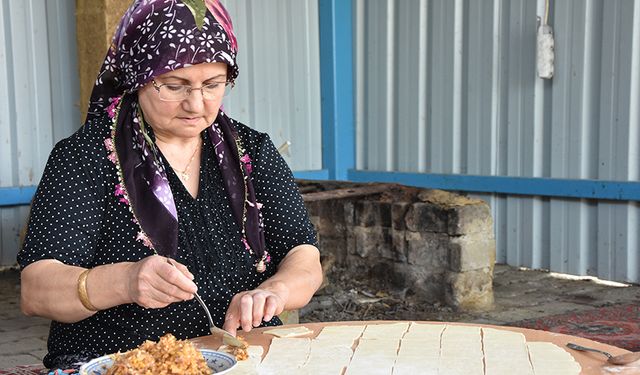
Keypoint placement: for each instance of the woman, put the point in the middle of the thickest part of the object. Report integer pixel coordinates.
(159, 171)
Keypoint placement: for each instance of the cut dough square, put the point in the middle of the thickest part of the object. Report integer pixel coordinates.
(422, 331)
(368, 371)
(548, 358)
(377, 348)
(424, 362)
(419, 348)
(345, 335)
(289, 332)
(341, 331)
(297, 348)
(369, 368)
(323, 350)
(519, 367)
(327, 368)
(385, 331)
(451, 366)
(461, 349)
(556, 367)
(413, 368)
(339, 340)
(359, 358)
(291, 353)
(461, 331)
(496, 335)
(506, 354)
(504, 346)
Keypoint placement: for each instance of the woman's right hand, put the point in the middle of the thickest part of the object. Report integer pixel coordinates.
(153, 282)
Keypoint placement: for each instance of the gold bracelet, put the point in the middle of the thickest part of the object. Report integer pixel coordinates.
(82, 291)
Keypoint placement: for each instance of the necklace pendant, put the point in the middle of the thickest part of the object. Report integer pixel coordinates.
(185, 177)
(261, 266)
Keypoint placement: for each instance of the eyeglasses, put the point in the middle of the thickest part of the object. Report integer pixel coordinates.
(170, 92)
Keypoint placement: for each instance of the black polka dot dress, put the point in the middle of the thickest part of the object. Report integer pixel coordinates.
(77, 219)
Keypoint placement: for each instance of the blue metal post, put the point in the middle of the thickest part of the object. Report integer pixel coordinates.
(336, 87)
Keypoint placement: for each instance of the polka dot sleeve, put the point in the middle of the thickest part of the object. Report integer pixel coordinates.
(66, 213)
(286, 220)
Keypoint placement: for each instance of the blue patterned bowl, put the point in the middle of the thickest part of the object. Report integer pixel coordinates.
(218, 362)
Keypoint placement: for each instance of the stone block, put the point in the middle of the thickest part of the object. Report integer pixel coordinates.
(471, 290)
(427, 217)
(313, 208)
(385, 247)
(351, 244)
(369, 213)
(334, 246)
(471, 251)
(367, 240)
(327, 227)
(398, 213)
(427, 250)
(384, 210)
(399, 245)
(336, 211)
(445, 198)
(428, 287)
(471, 218)
(349, 212)
(373, 242)
(365, 213)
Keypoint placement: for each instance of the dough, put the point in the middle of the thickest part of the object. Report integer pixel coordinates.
(385, 331)
(418, 331)
(550, 359)
(413, 349)
(326, 357)
(289, 332)
(285, 356)
(345, 335)
(248, 366)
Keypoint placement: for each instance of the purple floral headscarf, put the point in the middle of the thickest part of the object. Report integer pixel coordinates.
(155, 37)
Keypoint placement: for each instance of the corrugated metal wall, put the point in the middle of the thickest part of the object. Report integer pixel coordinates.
(278, 88)
(38, 97)
(450, 87)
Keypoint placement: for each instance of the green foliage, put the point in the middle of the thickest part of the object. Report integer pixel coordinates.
(198, 9)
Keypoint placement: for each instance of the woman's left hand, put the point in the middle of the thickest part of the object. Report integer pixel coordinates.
(299, 275)
(250, 308)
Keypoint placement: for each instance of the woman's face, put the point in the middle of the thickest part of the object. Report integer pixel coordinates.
(189, 117)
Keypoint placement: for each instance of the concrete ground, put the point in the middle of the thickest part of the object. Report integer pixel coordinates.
(519, 294)
(23, 340)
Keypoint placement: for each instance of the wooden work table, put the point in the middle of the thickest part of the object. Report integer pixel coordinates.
(591, 363)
